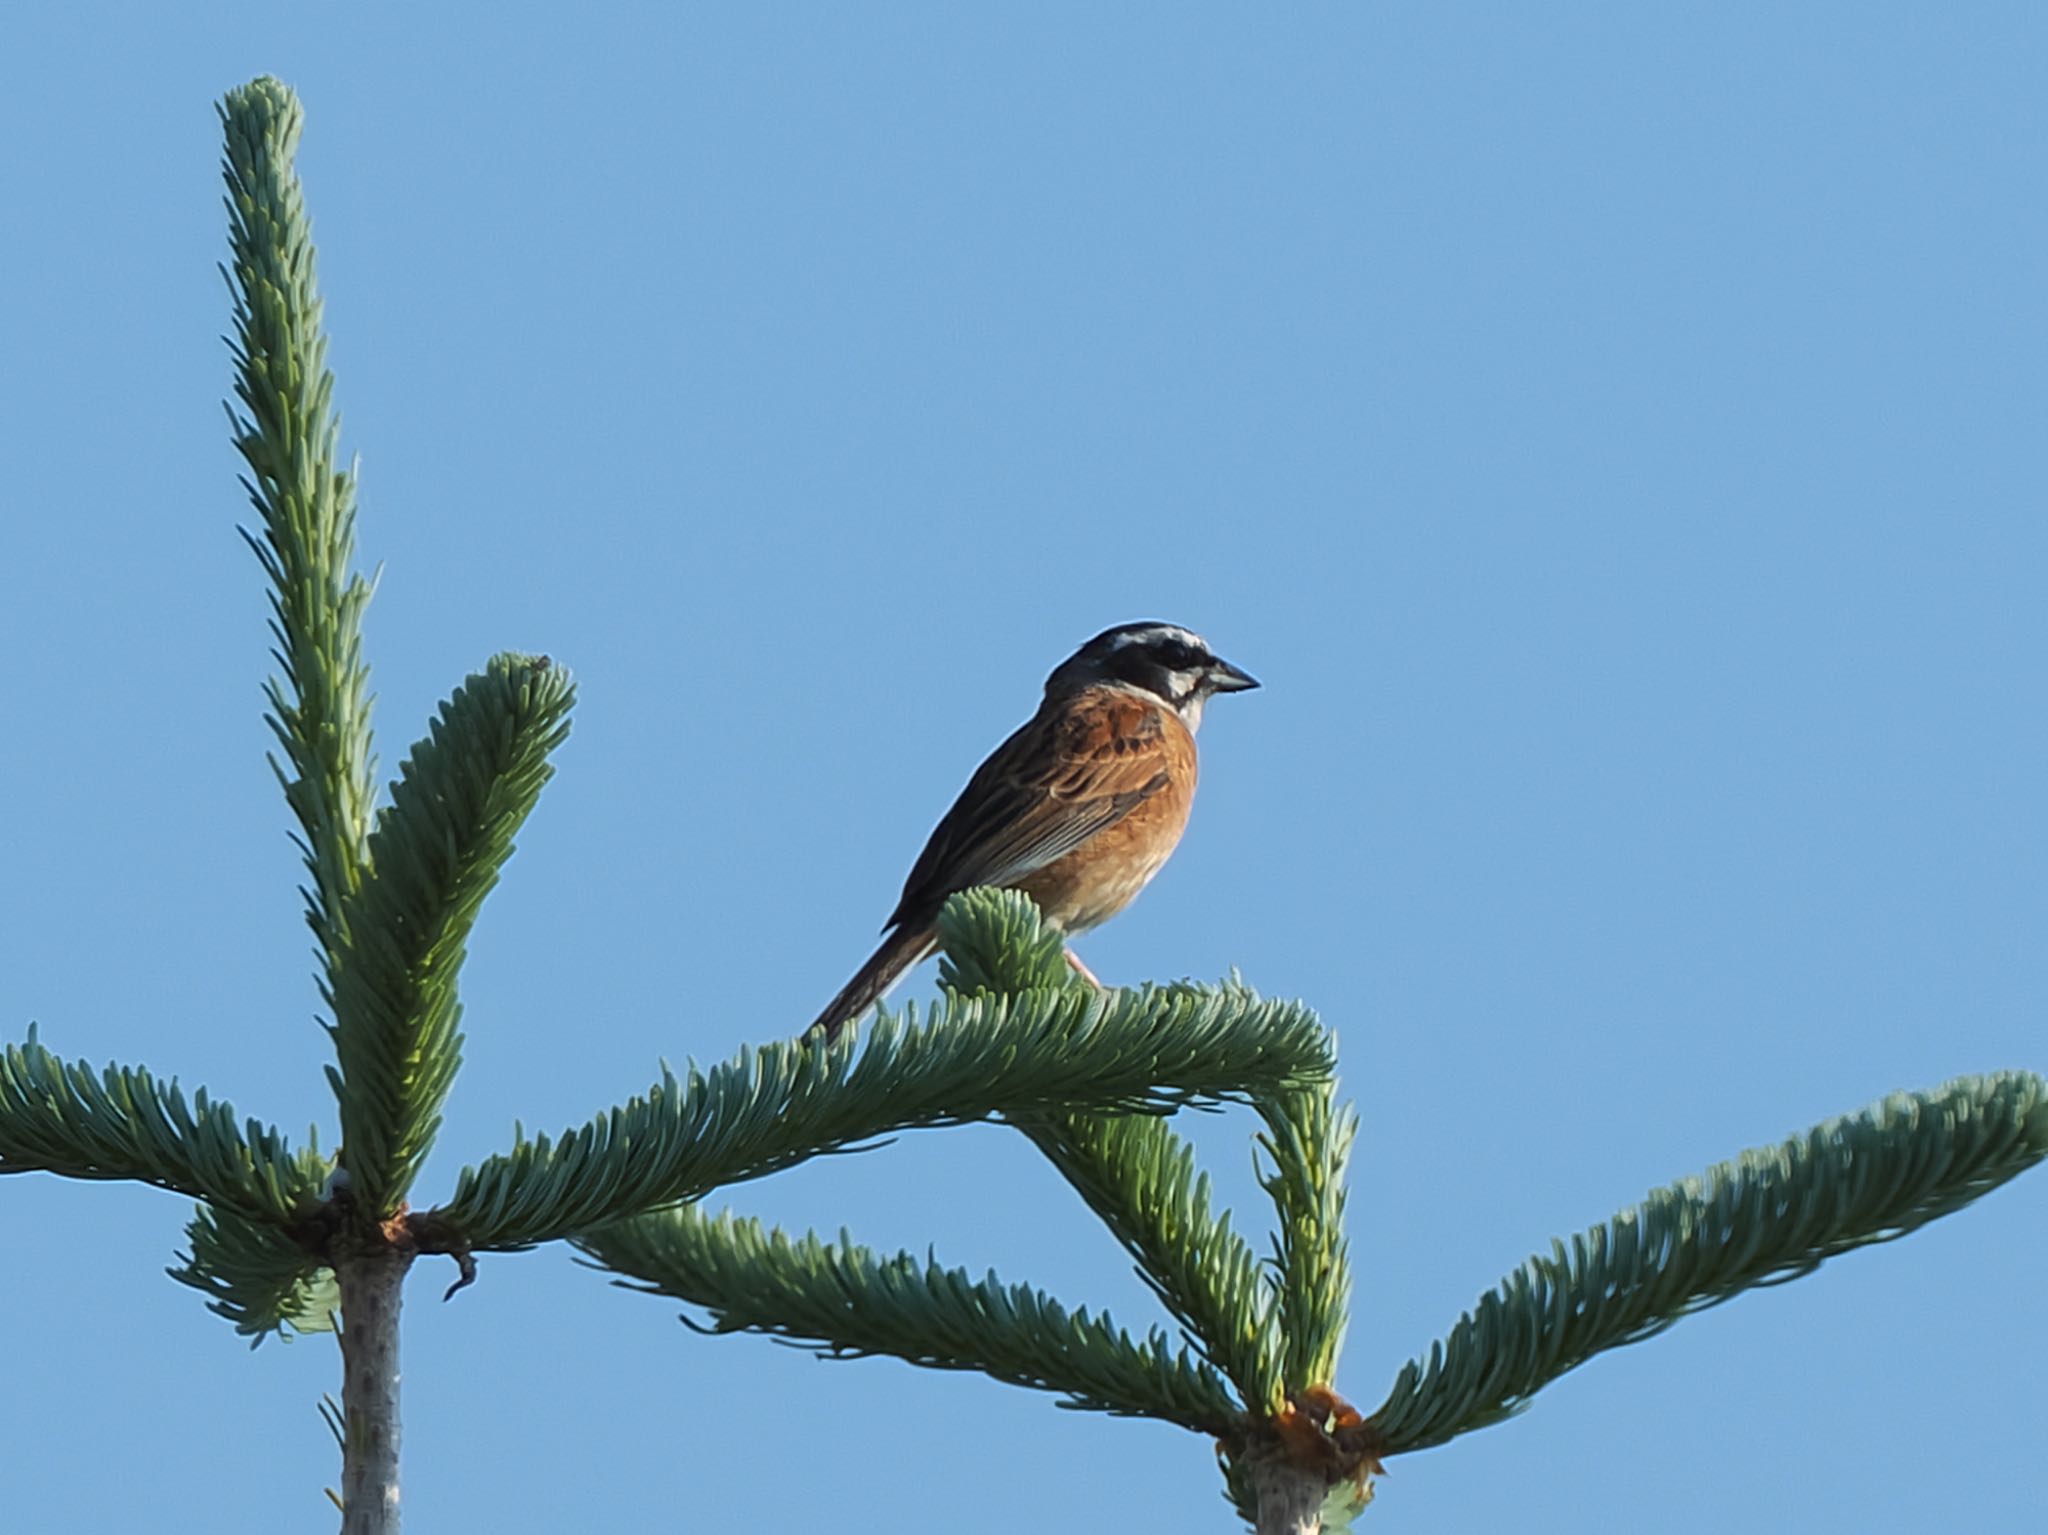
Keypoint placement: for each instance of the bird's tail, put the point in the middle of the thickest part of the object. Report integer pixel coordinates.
(870, 983)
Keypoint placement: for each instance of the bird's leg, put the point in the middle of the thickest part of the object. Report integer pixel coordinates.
(1074, 962)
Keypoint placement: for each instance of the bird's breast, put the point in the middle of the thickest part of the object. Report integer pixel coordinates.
(1098, 879)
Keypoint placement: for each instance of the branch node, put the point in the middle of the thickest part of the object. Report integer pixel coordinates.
(432, 1232)
(1319, 1431)
(465, 1263)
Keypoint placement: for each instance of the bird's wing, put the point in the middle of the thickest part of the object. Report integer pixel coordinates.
(1071, 771)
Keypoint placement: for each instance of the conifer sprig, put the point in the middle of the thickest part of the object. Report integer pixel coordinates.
(1770, 1215)
(254, 1274)
(1307, 1144)
(1003, 967)
(121, 1122)
(966, 1059)
(436, 853)
(288, 435)
(1140, 1179)
(843, 1301)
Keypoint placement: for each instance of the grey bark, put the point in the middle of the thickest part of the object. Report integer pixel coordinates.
(372, 1289)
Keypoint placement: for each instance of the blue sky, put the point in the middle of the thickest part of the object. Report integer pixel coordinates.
(1612, 433)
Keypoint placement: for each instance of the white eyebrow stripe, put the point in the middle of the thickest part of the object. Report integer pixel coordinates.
(1155, 634)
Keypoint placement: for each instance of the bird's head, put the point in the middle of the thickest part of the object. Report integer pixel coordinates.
(1166, 660)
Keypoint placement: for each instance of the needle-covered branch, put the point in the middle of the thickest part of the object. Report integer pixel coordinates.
(1308, 1147)
(968, 1059)
(1772, 1214)
(996, 942)
(1140, 1178)
(1004, 971)
(122, 1122)
(255, 1274)
(436, 853)
(289, 436)
(845, 1302)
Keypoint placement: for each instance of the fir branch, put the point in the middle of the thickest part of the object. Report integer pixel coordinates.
(1140, 1179)
(971, 1059)
(256, 1276)
(994, 942)
(1308, 1145)
(1773, 1214)
(436, 853)
(842, 1301)
(288, 435)
(124, 1123)
(1136, 1174)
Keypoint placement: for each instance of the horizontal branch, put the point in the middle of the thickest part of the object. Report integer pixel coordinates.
(1771, 1215)
(844, 1302)
(969, 1059)
(123, 1123)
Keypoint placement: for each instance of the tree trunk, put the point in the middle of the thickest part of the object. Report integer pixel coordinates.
(372, 1287)
(1290, 1499)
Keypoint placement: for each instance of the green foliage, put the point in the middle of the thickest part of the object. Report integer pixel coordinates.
(1307, 1145)
(1135, 1173)
(970, 1059)
(288, 435)
(124, 1123)
(1086, 1074)
(256, 1276)
(436, 853)
(1268, 1330)
(1271, 1327)
(257, 1194)
(1003, 968)
(1772, 1214)
(1140, 1179)
(995, 943)
(843, 1301)
(390, 907)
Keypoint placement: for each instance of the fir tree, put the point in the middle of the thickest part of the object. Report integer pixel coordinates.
(292, 1238)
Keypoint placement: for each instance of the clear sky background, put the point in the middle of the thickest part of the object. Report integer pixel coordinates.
(1613, 433)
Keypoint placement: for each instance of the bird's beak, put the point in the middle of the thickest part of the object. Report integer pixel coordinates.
(1225, 678)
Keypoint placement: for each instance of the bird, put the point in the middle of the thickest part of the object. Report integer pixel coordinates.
(1078, 809)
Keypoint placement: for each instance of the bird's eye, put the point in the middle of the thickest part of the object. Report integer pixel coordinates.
(1179, 656)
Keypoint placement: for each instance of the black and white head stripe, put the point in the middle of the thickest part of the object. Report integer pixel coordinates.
(1169, 644)
(1174, 663)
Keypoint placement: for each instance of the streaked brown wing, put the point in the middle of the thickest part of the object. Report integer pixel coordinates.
(1063, 777)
